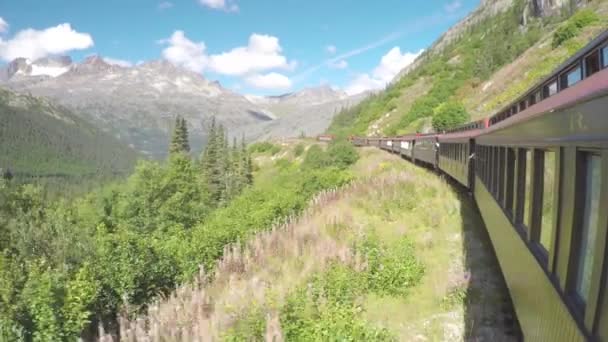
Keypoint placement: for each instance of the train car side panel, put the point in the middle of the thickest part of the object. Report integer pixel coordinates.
(530, 291)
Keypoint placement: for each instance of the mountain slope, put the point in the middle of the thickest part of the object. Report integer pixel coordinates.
(486, 60)
(138, 104)
(40, 139)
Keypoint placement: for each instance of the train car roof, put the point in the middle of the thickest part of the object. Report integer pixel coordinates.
(594, 86)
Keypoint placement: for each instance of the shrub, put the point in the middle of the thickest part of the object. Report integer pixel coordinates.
(573, 26)
(448, 115)
(264, 147)
(298, 150)
(342, 154)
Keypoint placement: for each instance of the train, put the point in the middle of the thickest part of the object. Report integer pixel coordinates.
(538, 172)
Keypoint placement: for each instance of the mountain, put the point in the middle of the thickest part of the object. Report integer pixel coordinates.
(138, 104)
(40, 139)
(307, 112)
(481, 64)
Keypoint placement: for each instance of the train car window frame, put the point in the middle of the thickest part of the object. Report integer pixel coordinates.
(571, 76)
(550, 88)
(528, 183)
(520, 187)
(509, 182)
(580, 273)
(604, 54)
(501, 175)
(593, 63)
(547, 171)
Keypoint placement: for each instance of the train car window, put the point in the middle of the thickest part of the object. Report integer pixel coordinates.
(528, 189)
(592, 63)
(584, 251)
(522, 106)
(550, 89)
(605, 56)
(501, 175)
(548, 202)
(509, 181)
(534, 98)
(571, 77)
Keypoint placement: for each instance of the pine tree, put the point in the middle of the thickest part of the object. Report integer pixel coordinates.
(179, 139)
(246, 164)
(184, 136)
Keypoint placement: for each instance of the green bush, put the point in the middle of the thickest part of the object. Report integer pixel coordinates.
(448, 115)
(573, 26)
(298, 150)
(264, 147)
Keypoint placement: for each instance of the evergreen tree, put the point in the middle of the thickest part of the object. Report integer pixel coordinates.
(184, 135)
(246, 165)
(179, 140)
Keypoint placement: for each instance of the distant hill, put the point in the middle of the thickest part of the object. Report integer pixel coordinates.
(482, 63)
(39, 139)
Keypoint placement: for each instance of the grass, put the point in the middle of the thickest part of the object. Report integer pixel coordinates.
(383, 258)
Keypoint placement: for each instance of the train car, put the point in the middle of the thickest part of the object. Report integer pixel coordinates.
(457, 151)
(406, 146)
(397, 145)
(539, 175)
(541, 185)
(425, 149)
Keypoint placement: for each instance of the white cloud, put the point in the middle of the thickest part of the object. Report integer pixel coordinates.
(341, 64)
(390, 65)
(165, 5)
(253, 63)
(3, 25)
(120, 62)
(331, 49)
(453, 6)
(270, 81)
(184, 52)
(225, 5)
(262, 53)
(35, 44)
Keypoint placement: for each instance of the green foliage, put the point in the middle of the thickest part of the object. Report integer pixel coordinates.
(264, 147)
(340, 154)
(327, 310)
(392, 271)
(42, 142)
(328, 307)
(448, 115)
(298, 150)
(573, 26)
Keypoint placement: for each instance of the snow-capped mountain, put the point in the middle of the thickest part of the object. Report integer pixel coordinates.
(138, 104)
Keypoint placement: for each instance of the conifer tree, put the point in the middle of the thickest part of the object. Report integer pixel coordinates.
(184, 135)
(179, 139)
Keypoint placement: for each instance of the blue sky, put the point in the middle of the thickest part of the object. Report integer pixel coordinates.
(254, 47)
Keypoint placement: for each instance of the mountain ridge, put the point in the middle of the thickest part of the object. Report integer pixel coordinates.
(137, 104)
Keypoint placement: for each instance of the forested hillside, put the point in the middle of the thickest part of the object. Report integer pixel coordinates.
(473, 75)
(41, 140)
(68, 268)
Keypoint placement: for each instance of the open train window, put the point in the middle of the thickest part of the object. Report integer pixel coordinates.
(534, 98)
(528, 190)
(605, 57)
(583, 249)
(571, 77)
(548, 166)
(592, 63)
(550, 89)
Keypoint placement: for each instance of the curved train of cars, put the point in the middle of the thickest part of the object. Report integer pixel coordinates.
(538, 171)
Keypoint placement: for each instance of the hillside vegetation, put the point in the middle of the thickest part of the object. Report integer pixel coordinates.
(40, 140)
(492, 63)
(395, 255)
(67, 268)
